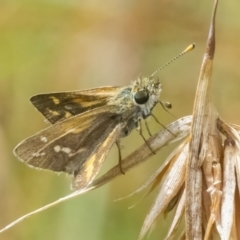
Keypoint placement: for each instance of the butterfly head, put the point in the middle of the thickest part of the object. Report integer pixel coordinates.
(146, 92)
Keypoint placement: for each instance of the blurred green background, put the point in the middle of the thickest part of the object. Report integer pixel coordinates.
(65, 45)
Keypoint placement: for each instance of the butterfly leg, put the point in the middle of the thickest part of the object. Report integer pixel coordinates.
(161, 124)
(146, 124)
(119, 156)
(140, 132)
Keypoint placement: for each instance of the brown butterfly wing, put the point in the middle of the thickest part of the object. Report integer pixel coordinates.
(67, 146)
(57, 107)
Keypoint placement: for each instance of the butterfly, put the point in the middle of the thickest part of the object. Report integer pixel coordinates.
(85, 125)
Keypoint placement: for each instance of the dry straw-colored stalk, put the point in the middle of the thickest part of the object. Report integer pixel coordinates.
(200, 179)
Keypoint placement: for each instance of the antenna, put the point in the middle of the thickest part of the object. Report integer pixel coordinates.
(188, 49)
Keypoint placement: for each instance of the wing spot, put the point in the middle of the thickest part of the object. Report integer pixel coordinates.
(79, 151)
(68, 107)
(57, 148)
(54, 113)
(55, 100)
(43, 139)
(66, 150)
(68, 114)
(35, 154)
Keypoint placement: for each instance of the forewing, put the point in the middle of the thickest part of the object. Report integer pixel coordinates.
(57, 107)
(67, 145)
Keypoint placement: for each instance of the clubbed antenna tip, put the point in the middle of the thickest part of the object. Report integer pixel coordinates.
(188, 49)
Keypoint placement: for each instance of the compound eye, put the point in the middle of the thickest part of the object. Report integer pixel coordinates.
(141, 97)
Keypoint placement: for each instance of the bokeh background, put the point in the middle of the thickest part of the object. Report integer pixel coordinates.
(49, 46)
